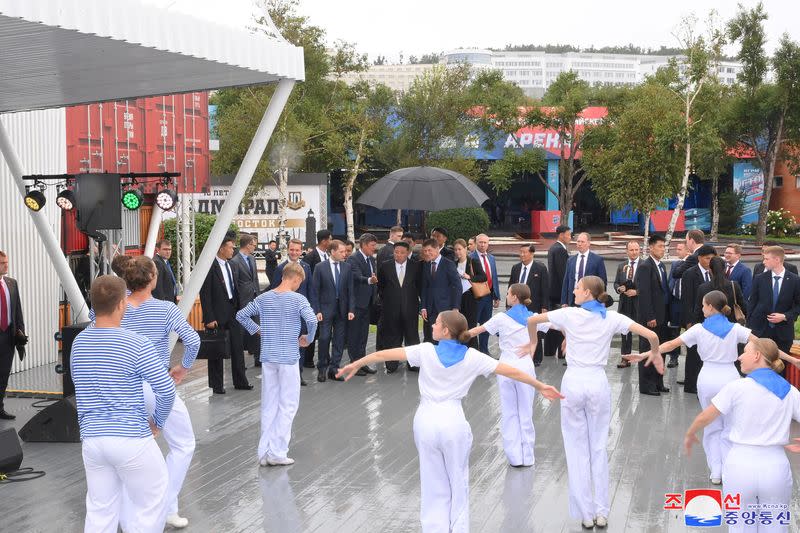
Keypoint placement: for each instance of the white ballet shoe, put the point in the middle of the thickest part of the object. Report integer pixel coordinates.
(601, 522)
(588, 524)
(286, 461)
(177, 521)
(716, 481)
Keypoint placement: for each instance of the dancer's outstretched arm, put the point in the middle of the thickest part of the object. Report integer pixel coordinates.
(393, 354)
(708, 415)
(548, 391)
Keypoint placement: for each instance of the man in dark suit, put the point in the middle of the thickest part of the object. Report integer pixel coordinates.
(220, 302)
(399, 287)
(166, 285)
(386, 252)
(625, 286)
(333, 300)
(695, 238)
(247, 287)
(491, 300)
(271, 257)
(557, 257)
(759, 267)
(691, 280)
(534, 275)
(441, 286)
(652, 288)
(675, 303)
(312, 259)
(775, 301)
(584, 263)
(440, 235)
(737, 271)
(365, 279)
(12, 329)
(294, 252)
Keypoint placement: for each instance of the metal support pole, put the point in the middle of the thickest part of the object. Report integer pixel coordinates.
(80, 312)
(236, 194)
(152, 231)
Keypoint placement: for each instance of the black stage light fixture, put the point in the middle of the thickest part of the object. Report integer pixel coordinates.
(132, 199)
(66, 199)
(34, 198)
(166, 199)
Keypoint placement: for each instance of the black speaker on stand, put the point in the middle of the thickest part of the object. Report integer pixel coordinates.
(10, 451)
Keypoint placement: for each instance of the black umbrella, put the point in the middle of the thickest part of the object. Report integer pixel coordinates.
(423, 189)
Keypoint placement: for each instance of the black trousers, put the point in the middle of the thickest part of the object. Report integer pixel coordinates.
(469, 308)
(626, 344)
(649, 378)
(693, 366)
(216, 366)
(6, 360)
(332, 329)
(539, 353)
(357, 334)
(397, 331)
(553, 338)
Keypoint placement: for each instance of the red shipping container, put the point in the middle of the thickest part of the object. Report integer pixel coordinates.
(72, 239)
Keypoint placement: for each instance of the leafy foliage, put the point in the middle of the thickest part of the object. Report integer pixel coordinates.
(203, 222)
(731, 208)
(460, 223)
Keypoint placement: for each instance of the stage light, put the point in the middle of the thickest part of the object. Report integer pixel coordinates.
(132, 199)
(35, 199)
(66, 200)
(166, 199)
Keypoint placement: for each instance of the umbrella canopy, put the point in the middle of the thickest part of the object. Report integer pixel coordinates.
(423, 189)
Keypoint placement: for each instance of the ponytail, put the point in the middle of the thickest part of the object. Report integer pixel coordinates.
(597, 288)
(456, 324)
(718, 301)
(769, 351)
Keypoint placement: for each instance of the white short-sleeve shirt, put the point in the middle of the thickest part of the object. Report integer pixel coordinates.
(588, 334)
(440, 383)
(512, 334)
(756, 416)
(713, 349)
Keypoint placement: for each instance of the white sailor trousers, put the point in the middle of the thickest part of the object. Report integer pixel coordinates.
(280, 397)
(585, 417)
(710, 381)
(516, 408)
(444, 440)
(762, 476)
(133, 464)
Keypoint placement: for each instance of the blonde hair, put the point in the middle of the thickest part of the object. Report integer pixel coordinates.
(597, 288)
(293, 270)
(769, 351)
(456, 324)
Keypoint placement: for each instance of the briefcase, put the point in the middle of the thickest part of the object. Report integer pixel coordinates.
(214, 344)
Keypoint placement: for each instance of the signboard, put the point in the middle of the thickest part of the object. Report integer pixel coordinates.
(260, 214)
(748, 179)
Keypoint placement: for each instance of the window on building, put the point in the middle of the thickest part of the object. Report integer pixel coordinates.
(777, 182)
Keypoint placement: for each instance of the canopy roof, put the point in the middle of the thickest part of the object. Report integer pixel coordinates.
(55, 53)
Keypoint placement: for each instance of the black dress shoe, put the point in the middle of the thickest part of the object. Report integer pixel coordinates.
(219, 391)
(663, 389)
(5, 415)
(361, 372)
(308, 365)
(412, 368)
(243, 387)
(680, 382)
(391, 369)
(690, 391)
(256, 363)
(369, 370)
(535, 363)
(303, 383)
(650, 392)
(321, 377)
(332, 376)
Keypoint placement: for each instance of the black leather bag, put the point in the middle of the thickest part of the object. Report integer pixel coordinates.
(214, 344)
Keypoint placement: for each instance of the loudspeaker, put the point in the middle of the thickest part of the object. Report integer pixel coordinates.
(68, 334)
(10, 451)
(98, 202)
(56, 423)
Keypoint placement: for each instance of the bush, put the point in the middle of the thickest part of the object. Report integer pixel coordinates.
(780, 223)
(203, 223)
(731, 209)
(460, 223)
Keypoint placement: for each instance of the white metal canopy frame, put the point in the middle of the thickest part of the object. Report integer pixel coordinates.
(56, 53)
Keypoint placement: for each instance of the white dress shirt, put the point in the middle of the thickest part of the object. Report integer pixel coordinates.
(525, 272)
(223, 265)
(781, 275)
(400, 268)
(5, 289)
(462, 269)
(703, 273)
(322, 255)
(585, 256)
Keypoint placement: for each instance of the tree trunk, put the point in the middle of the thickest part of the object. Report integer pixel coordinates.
(687, 169)
(769, 172)
(565, 192)
(399, 217)
(714, 206)
(646, 229)
(283, 196)
(350, 183)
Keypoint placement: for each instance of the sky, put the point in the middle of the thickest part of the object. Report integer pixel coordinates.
(416, 27)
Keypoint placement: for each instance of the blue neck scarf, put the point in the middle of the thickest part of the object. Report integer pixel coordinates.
(450, 352)
(520, 314)
(772, 381)
(595, 307)
(718, 325)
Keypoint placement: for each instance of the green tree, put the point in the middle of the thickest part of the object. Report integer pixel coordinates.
(764, 117)
(203, 222)
(634, 157)
(460, 223)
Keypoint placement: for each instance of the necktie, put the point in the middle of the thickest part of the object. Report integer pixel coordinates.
(708, 277)
(231, 288)
(775, 291)
(580, 268)
(370, 259)
(3, 306)
(252, 265)
(728, 271)
(433, 268)
(488, 270)
(630, 271)
(336, 276)
(664, 285)
(402, 274)
(169, 269)
(524, 277)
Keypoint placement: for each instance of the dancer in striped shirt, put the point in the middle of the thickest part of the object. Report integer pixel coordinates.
(281, 312)
(109, 366)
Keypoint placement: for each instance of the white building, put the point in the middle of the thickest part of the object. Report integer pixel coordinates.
(535, 71)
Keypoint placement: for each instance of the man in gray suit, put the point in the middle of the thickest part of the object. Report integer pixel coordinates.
(247, 286)
(12, 329)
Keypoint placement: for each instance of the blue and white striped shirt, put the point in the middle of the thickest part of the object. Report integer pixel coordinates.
(280, 318)
(108, 367)
(156, 319)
